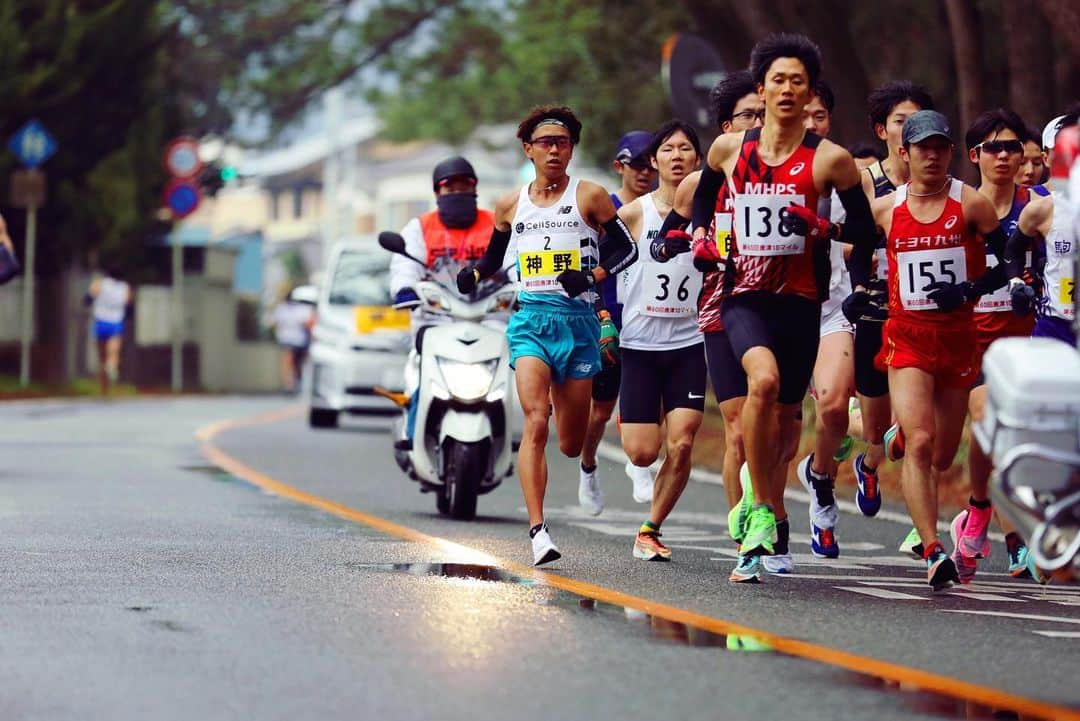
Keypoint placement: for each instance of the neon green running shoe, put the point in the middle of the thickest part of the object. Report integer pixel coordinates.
(912, 545)
(844, 452)
(737, 516)
(760, 531)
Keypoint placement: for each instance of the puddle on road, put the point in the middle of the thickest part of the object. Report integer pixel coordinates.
(215, 472)
(661, 630)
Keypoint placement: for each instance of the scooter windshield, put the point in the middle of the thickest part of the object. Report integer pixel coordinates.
(444, 272)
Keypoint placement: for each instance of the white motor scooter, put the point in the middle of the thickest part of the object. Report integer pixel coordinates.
(462, 441)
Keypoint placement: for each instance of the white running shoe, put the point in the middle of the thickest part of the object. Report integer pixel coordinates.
(823, 519)
(643, 482)
(778, 563)
(544, 550)
(589, 494)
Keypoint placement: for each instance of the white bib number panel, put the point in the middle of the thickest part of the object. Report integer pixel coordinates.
(920, 268)
(757, 225)
(1000, 300)
(670, 290)
(541, 260)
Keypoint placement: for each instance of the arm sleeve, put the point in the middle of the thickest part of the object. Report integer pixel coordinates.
(623, 251)
(673, 221)
(1015, 248)
(705, 196)
(404, 273)
(492, 260)
(997, 276)
(859, 230)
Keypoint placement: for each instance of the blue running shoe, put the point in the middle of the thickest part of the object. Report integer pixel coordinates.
(823, 519)
(747, 569)
(1018, 561)
(940, 570)
(868, 492)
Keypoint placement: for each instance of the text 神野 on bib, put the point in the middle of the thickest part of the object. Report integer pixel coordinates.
(541, 261)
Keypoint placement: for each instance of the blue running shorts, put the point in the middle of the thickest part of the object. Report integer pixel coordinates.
(567, 340)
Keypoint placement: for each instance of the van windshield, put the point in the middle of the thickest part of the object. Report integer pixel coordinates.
(361, 278)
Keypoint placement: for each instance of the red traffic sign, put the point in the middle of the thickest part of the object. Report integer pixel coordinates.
(182, 157)
(182, 197)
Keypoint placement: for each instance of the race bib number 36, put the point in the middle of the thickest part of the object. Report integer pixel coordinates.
(757, 225)
(540, 266)
(919, 268)
(670, 290)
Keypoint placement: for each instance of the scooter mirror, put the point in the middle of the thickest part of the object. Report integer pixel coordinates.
(392, 241)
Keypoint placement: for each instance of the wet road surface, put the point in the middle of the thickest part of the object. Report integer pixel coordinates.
(138, 580)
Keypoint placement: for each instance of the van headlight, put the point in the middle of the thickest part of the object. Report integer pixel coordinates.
(467, 381)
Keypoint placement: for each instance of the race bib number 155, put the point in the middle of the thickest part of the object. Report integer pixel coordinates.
(919, 268)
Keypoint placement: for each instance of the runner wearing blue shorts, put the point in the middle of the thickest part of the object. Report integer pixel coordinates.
(551, 226)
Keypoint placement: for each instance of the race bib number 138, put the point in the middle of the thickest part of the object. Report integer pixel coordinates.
(757, 225)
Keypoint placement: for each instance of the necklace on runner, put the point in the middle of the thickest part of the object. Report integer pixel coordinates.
(913, 194)
(550, 187)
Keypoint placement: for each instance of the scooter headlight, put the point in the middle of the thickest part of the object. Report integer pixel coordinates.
(501, 302)
(434, 300)
(467, 381)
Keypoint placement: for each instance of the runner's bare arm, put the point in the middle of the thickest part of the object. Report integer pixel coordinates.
(492, 260)
(5, 239)
(631, 215)
(684, 195)
(982, 218)
(599, 211)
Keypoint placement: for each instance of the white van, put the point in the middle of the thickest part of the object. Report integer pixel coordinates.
(359, 341)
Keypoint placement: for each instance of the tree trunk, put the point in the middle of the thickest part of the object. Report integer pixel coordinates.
(1031, 86)
(967, 53)
(1064, 18)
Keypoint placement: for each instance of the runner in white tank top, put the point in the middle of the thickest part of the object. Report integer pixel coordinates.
(109, 298)
(663, 354)
(1050, 222)
(551, 226)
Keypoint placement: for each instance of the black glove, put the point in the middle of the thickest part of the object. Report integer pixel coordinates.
(576, 282)
(950, 296)
(467, 278)
(1023, 298)
(870, 305)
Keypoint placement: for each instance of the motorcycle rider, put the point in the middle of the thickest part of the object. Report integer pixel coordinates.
(456, 232)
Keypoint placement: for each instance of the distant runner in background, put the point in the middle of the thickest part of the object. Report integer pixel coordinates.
(109, 298)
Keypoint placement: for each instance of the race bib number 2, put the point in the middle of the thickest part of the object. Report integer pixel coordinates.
(757, 225)
(540, 266)
(919, 268)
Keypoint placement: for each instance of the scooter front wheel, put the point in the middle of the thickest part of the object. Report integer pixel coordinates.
(465, 465)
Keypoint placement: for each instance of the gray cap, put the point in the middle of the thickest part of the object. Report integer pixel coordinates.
(925, 124)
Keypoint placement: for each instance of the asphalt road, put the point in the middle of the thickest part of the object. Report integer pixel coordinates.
(138, 581)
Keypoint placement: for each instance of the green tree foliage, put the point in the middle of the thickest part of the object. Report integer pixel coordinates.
(92, 72)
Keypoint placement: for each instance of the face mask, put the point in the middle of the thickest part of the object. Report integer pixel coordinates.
(457, 210)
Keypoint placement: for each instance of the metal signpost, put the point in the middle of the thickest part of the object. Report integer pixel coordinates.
(182, 197)
(32, 145)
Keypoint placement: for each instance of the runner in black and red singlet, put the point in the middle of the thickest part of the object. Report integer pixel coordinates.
(779, 263)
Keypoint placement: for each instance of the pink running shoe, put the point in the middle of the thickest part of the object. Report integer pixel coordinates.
(969, 530)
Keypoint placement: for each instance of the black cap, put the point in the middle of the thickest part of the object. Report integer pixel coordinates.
(452, 168)
(925, 124)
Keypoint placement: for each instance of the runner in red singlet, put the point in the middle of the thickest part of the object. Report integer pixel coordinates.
(934, 228)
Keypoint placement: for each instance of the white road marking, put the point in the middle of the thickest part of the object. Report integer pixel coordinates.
(1058, 634)
(1008, 614)
(882, 593)
(962, 592)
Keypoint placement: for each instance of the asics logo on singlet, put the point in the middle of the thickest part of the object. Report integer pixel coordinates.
(565, 210)
(797, 168)
(770, 188)
(951, 222)
(541, 225)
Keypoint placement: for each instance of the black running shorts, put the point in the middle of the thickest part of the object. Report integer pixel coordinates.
(659, 381)
(725, 370)
(788, 325)
(605, 384)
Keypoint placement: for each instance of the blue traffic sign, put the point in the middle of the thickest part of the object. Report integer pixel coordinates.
(32, 144)
(182, 198)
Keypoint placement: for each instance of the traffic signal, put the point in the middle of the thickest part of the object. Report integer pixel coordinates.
(228, 173)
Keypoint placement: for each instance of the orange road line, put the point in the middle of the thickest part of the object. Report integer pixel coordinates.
(903, 675)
